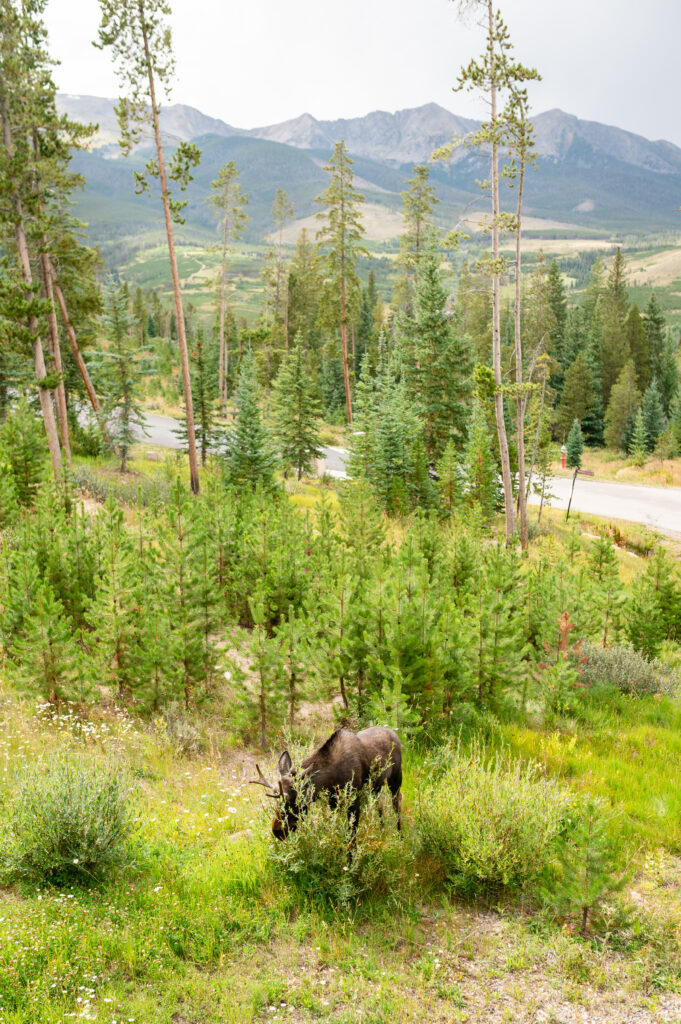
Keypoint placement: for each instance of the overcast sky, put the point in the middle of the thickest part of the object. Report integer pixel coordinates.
(258, 62)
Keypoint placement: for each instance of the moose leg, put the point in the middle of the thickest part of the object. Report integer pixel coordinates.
(397, 807)
(353, 815)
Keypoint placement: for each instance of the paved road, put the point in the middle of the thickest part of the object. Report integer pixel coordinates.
(656, 507)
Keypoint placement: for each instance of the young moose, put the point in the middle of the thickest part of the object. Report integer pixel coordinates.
(370, 757)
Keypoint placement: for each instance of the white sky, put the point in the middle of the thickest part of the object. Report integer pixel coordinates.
(259, 62)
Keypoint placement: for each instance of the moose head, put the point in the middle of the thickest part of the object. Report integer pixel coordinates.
(288, 811)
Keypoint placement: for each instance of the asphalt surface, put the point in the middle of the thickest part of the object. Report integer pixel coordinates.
(656, 507)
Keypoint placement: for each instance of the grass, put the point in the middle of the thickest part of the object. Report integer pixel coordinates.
(608, 465)
(202, 929)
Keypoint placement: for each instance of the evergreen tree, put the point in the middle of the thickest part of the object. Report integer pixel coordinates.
(638, 445)
(450, 482)
(623, 403)
(638, 342)
(341, 236)
(22, 448)
(437, 366)
(296, 412)
(482, 481)
(668, 375)
(304, 289)
(654, 332)
(557, 302)
(587, 860)
(653, 415)
(46, 653)
(250, 460)
(615, 352)
(205, 389)
(120, 374)
(228, 201)
(418, 202)
(282, 211)
(576, 396)
(140, 39)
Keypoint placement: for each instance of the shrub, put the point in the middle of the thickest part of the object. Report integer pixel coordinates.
(488, 822)
(328, 869)
(626, 669)
(71, 818)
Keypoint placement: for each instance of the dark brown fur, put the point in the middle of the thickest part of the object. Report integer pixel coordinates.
(372, 756)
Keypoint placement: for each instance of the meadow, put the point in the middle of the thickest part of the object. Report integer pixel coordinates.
(206, 918)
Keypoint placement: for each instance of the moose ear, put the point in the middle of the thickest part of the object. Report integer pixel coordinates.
(285, 763)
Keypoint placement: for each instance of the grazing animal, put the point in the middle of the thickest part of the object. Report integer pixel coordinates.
(370, 757)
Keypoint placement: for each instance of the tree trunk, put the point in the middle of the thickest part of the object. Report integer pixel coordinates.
(56, 355)
(496, 302)
(344, 343)
(25, 265)
(520, 405)
(181, 336)
(572, 491)
(80, 362)
(222, 390)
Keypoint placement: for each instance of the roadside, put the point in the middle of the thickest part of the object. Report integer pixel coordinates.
(609, 465)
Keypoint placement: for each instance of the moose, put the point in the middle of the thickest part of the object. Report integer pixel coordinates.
(370, 757)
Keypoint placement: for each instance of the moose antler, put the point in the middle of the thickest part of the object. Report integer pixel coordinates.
(273, 791)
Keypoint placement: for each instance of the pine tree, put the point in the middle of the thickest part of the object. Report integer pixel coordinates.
(437, 368)
(304, 290)
(341, 236)
(615, 352)
(250, 460)
(638, 445)
(576, 396)
(296, 412)
(668, 375)
(282, 211)
(450, 479)
(228, 201)
(557, 302)
(495, 73)
(654, 332)
(22, 448)
(120, 374)
(482, 484)
(140, 40)
(587, 861)
(418, 203)
(623, 403)
(205, 389)
(638, 342)
(46, 652)
(653, 415)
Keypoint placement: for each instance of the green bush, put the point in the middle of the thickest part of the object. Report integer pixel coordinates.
(626, 669)
(487, 822)
(328, 869)
(71, 818)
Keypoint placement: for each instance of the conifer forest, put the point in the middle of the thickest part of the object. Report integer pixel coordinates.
(280, 479)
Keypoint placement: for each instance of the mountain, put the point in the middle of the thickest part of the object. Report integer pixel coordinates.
(589, 175)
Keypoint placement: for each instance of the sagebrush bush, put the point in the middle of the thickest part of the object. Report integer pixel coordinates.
(329, 869)
(625, 668)
(70, 818)
(487, 822)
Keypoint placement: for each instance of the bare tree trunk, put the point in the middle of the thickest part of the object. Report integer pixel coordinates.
(181, 336)
(520, 404)
(56, 355)
(496, 304)
(80, 362)
(25, 265)
(344, 342)
(222, 390)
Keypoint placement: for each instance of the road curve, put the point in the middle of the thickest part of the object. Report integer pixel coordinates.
(656, 507)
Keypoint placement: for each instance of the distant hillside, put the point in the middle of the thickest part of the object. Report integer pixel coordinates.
(590, 176)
